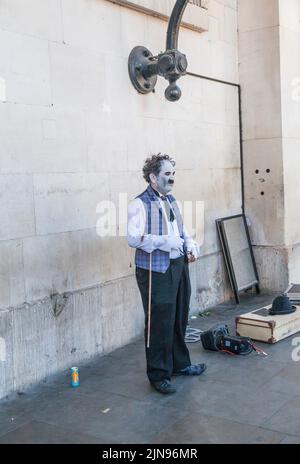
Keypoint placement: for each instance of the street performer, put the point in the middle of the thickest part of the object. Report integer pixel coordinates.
(163, 251)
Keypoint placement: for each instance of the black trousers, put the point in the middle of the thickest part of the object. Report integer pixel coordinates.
(171, 293)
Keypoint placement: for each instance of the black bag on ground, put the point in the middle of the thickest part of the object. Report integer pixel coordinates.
(217, 338)
(211, 339)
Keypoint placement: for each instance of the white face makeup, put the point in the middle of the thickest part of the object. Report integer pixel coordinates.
(164, 182)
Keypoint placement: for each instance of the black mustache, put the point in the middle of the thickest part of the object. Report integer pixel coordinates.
(171, 182)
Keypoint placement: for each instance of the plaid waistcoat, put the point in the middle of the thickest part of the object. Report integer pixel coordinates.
(156, 224)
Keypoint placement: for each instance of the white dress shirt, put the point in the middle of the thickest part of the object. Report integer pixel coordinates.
(136, 232)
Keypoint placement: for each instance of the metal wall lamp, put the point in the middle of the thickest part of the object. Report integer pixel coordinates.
(144, 68)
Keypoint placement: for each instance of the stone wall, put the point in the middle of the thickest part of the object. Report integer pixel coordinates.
(74, 132)
(269, 46)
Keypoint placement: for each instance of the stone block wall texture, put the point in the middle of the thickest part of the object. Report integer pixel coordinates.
(269, 69)
(73, 133)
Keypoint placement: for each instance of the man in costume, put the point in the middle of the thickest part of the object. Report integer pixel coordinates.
(163, 252)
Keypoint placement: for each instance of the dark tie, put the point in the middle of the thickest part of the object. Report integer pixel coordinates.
(168, 209)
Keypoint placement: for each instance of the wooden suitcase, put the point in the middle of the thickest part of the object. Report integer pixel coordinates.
(260, 325)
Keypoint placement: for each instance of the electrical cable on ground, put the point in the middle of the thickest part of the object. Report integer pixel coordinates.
(192, 335)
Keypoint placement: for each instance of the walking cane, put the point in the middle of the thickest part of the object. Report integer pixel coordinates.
(149, 300)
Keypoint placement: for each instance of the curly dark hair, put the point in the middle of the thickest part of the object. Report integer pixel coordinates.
(153, 165)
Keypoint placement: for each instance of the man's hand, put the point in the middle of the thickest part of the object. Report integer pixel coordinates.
(193, 252)
(191, 257)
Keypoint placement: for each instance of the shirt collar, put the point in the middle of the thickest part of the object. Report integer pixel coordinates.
(157, 193)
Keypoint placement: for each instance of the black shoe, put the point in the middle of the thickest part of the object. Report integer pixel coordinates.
(193, 369)
(164, 386)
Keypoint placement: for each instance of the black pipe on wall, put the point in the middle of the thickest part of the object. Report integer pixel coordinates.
(174, 24)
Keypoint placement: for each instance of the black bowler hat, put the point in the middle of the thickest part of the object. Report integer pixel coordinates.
(282, 305)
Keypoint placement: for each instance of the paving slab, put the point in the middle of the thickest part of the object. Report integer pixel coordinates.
(42, 433)
(200, 429)
(287, 418)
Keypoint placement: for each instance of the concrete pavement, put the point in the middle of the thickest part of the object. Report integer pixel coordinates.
(252, 399)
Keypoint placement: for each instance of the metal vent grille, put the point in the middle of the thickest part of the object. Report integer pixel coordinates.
(197, 3)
